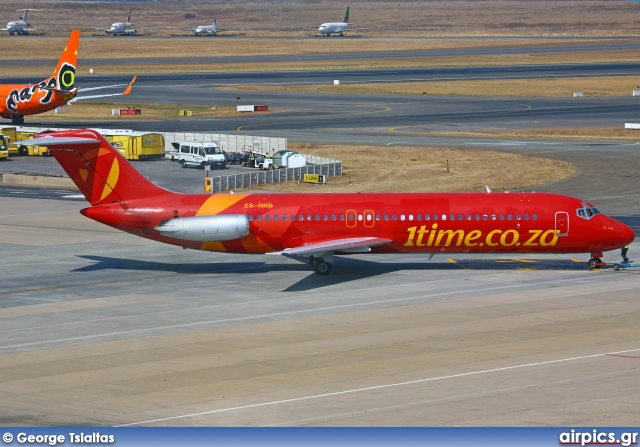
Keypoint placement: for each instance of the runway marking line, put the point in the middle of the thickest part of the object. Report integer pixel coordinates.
(377, 387)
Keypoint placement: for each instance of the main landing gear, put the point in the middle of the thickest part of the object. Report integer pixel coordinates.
(17, 119)
(596, 260)
(322, 264)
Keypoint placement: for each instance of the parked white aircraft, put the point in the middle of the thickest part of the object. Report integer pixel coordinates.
(208, 30)
(20, 26)
(326, 29)
(122, 27)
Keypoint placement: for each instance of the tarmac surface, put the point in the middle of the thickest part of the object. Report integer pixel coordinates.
(103, 328)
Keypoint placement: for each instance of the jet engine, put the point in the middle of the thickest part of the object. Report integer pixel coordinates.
(206, 228)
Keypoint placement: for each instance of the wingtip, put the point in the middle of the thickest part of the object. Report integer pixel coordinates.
(130, 86)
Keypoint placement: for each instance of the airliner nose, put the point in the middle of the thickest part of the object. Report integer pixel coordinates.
(624, 232)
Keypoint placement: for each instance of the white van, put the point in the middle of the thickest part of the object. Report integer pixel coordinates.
(192, 153)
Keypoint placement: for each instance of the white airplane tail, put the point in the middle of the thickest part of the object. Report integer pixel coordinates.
(214, 22)
(129, 15)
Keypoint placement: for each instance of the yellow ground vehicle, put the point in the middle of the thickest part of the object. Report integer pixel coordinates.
(4, 150)
(14, 137)
(136, 145)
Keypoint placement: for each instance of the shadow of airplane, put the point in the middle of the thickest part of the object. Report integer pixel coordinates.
(345, 269)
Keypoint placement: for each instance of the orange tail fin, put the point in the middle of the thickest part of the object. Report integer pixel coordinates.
(101, 173)
(65, 73)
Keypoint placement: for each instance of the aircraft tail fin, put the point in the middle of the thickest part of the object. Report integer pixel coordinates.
(346, 16)
(101, 173)
(214, 22)
(129, 15)
(65, 75)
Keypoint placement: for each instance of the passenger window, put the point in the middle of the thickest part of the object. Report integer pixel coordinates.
(535, 217)
(275, 217)
(526, 217)
(452, 217)
(394, 217)
(509, 217)
(419, 217)
(477, 217)
(427, 217)
(317, 217)
(333, 217)
(378, 217)
(435, 217)
(485, 217)
(251, 218)
(300, 218)
(468, 216)
(402, 217)
(460, 217)
(501, 216)
(260, 218)
(293, 218)
(309, 217)
(386, 217)
(341, 217)
(284, 217)
(368, 217)
(517, 216)
(267, 217)
(410, 217)
(444, 217)
(493, 217)
(359, 217)
(351, 218)
(326, 217)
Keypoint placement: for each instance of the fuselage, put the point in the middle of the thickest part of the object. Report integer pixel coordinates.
(435, 223)
(204, 29)
(121, 28)
(30, 99)
(16, 26)
(333, 27)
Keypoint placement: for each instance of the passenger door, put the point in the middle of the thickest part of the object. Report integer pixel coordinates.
(562, 223)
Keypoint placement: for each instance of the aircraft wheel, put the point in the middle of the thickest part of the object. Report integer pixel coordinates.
(322, 267)
(183, 163)
(616, 267)
(592, 263)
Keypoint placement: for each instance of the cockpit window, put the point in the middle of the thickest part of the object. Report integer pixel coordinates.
(587, 212)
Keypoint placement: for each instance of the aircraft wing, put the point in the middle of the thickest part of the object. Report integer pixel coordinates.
(125, 92)
(355, 244)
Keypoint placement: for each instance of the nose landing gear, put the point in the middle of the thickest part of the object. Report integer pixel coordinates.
(596, 261)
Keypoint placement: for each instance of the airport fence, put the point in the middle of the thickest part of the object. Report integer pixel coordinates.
(249, 179)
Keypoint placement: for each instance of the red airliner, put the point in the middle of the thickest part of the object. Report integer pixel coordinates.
(318, 226)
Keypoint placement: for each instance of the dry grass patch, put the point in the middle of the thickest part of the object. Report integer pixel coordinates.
(590, 86)
(422, 169)
(503, 17)
(586, 133)
(102, 110)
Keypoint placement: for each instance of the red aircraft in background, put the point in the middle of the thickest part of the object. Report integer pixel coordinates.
(318, 226)
(18, 100)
